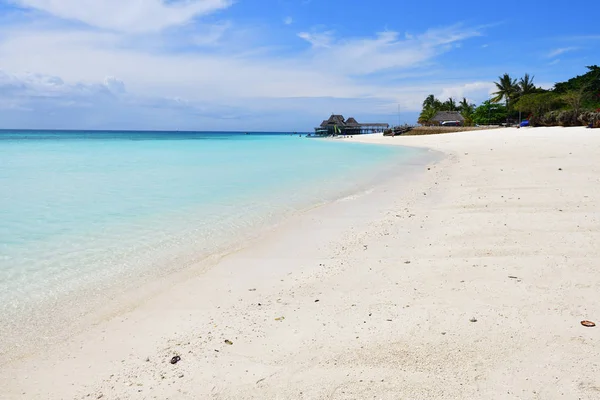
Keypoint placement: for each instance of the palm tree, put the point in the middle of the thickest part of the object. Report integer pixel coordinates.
(429, 101)
(526, 85)
(507, 89)
(465, 106)
(449, 105)
(466, 110)
(426, 115)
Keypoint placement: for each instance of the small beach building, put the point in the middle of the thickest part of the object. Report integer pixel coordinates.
(447, 116)
(338, 125)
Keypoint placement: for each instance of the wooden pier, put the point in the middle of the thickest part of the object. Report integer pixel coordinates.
(337, 125)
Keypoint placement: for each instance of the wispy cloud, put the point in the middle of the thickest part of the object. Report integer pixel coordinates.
(127, 15)
(288, 20)
(559, 51)
(53, 102)
(366, 55)
(318, 39)
(473, 91)
(554, 62)
(193, 72)
(210, 35)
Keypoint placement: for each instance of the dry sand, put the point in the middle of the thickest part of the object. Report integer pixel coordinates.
(466, 282)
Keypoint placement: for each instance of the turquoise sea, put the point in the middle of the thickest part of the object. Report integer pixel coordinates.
(81, 211)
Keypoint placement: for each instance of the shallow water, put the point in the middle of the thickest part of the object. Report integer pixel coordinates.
(81, 211)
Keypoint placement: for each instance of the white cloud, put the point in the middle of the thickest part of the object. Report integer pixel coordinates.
(322, 39)
(24, 86)
(114, 85)
(384, 51)
(559, 51)
(474, 91)
(210, 35)
(86, 56)
(134, 16)
(41, 101)
(160, 74)
(288, 20)
(554, 62)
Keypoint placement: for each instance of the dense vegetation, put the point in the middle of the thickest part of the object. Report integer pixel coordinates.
(571, 103)
(431, 106)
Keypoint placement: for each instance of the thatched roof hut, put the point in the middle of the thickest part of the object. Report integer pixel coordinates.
(442, 116)
(352, 122)
(336, 124)
(335, 119)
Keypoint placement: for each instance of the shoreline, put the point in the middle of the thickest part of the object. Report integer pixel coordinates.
(118, 299)
(380, 299)
(109, 301)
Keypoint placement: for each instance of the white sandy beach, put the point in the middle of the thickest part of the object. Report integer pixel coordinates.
(468, 281)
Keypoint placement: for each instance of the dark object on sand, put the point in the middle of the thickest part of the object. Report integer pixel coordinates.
(175, 360)
(229, 342)
(589, 324)
(397, 130)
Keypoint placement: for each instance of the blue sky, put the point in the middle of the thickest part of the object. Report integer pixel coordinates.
(270, 64)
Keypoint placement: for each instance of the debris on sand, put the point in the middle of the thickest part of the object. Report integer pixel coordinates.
(175, 360)
(588, 324)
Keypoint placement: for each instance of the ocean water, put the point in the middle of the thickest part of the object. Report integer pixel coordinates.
(80, 211)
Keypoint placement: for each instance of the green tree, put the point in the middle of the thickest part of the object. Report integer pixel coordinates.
(426, 115)
(583, 91)
(526, 86)
(574, 99)
(429, 101)
(465, 106)
(466, 110)
(590, 81)
(431, 106)
(449, 105)
(507, 90)
(489, 113)
(539, 103)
